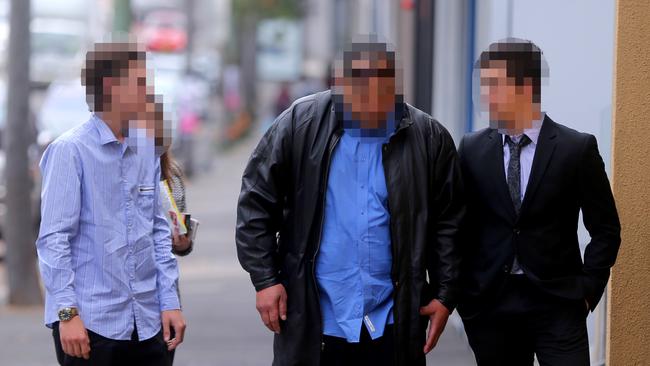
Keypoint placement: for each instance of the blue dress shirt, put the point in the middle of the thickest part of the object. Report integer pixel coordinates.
(104, 245)
(353, 267)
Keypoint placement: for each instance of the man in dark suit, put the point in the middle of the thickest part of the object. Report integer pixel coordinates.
(527, 291)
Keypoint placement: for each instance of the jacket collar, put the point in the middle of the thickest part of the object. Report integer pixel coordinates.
(543, 153)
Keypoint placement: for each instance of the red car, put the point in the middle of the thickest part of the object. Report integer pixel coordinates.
(164, 31)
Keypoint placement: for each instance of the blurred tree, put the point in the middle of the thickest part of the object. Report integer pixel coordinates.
(122, 16)
(24, 288)
(268, 8)
(247, 14)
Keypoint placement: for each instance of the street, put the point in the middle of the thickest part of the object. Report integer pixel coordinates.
(218, 298)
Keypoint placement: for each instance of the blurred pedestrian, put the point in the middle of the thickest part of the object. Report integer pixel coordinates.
(283, 100)
(347, 221)
(172, 173)
(104, 246)
(182, 245)
(527, 291)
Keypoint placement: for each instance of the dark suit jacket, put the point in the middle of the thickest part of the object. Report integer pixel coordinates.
(567, 176)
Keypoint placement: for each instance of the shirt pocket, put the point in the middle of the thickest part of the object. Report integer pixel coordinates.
(146, 195)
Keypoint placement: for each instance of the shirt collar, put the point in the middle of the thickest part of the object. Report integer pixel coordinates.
(532, 133)
(382, 134)
(106, 136)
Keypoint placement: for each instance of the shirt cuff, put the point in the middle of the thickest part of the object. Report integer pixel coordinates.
(170, 303)
(66, 299)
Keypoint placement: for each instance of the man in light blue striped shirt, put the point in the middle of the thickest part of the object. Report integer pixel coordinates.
(104, 245)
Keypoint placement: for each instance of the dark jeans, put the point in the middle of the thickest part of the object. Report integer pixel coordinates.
(109, 352)
(380, 352)
(525, 321)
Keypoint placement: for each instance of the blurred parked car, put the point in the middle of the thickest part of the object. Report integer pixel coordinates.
(163, 30)
(207, 65)
(4, 32)
(58, 47)
(64, 107)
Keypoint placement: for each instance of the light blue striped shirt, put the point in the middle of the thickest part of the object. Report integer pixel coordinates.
(104, 245)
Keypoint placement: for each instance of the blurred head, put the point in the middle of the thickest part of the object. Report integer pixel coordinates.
(169, 167)
(115, 77)
(366, 83)
(161, 126)
(511, 74)
(149, 131)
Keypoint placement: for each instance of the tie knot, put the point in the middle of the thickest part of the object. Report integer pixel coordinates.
(523, 141)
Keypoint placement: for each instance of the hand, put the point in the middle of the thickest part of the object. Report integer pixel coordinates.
(74, 338)
(180, 243)
(438, 315)
(173, 319)
(272, 306)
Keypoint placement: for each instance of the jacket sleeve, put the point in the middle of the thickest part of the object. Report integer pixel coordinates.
(261, 201)
(601, 221)
(448, 209)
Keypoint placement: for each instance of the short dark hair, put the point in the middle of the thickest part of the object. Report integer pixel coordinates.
(362, 47)
(523, 60)
(107, 60)
(356, 50)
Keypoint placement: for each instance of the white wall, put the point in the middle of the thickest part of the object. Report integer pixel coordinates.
(449, 105)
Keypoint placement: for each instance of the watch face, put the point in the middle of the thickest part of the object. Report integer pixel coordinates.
(65, 314)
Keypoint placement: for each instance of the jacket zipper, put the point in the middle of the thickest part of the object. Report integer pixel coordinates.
(333, 144)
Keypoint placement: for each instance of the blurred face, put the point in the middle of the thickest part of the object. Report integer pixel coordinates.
(509, 105)
(128, 92)
(369, 91)
(150, 130)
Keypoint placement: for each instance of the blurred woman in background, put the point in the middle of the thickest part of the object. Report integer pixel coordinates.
(173, 174)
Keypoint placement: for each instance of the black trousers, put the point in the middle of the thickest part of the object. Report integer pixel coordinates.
(524, 322)
(110, 352)
(379, 352)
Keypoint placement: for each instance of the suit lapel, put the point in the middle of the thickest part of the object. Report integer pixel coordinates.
(497, 174)
(543, 153)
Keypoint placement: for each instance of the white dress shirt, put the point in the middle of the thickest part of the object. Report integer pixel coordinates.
(526, 162)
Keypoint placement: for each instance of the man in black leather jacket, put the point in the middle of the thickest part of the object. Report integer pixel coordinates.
(282, 211)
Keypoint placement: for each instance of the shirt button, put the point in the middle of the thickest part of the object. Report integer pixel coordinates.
(506, 268)
(361, 213)
(516, 231)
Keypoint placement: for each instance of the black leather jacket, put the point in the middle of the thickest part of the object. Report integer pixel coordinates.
(280, 215)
